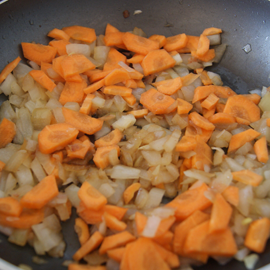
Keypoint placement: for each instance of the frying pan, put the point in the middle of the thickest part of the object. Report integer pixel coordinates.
(243, 22)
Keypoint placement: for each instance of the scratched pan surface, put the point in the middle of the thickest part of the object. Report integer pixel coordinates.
(243, 22)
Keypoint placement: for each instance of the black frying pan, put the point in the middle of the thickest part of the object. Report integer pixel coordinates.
(243, 22)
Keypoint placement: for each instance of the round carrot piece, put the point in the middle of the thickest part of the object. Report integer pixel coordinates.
(10, 206)
(169, 87)
(200, 121)
(175, 43)
(55, 137)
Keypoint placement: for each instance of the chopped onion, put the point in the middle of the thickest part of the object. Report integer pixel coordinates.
(124, 172)
(151, 226)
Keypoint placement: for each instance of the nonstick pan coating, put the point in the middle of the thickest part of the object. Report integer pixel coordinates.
(243, 22)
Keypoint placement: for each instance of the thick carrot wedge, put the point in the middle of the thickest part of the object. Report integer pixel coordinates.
(135, 59)
(93, 242)
(169, 87)
(231, 195)
(101, 157)
(183, 107)
(81, 228)
(156, 61)
(157, 102)
(87, 104)
(261, 150)
(247, 177)
(7, 132)
(114, 137)
(55, 137)
(58, 34)
(241, 138)
(78, 149)
(191, 45)
(258, 234)
(130, 191)
(10, 206)
(90, 216)
(82, 122)
(190, 201)
(210, 102)
(114, 39)
(9, 68)
(140, 222)
(38, 53)
(40, 194)
(113, 223)
(130, 100)
(41, 77)
(81, 33)
(91, 197)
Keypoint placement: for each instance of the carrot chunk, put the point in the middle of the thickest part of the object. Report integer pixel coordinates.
(101, 157)
(114, 39)
(261, 150)
(10, 206)
(81, 33)
(183, 107)
(91, 197)
(116, 76)
(210, 102)
(211, 31)
(7, 132)
(9, 68)
(82, 122)
(160, 39)
(38, 53)
(113, 223)
(87, 104)
(221, 118)
(231, 195)
(157, 102)
(257, 235)
(117, 90)
(186, 143)
(156, 61)
(113, 58)
(139, 113)
(247, 177)
(58, 34)
(203, 45)
(41, 77)
(112, 138)
(55, 137)
(176, 43)
(116, 254)
(40, 194)
(169, 87)
(81, 228)
(200, 121)
(130, 191)
(94, 87)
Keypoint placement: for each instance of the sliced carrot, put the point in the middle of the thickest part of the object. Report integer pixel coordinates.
(164, 239)
(57, 65)
(210, 55)
(186, 143)
(268, 122)
(220, 107)
(140, 222)
(9, 68)
(211, 31)
(160, 39)
(240, 106)
(140, 84)
(183, 106)
(112, 138)
(2, 165)
(247, 177)
(210, 102)
(169, 87)
(78, 149)
(130, 83)
(205, 78)
(139, 113)
(203, 45)
(115, 241)
(139, 44)
(75, 266)
(94, 87)
(203, 155)
(221, 118)
(157, 102)
(202, 92)
(116, 76)
(96, 75)
(82, 122)
(242, 121)
(257, 235)
(82, 230)
(200, 121)
(60, 46)
(200, 240)
(261, 150)
(38, 53)
(241, 138)
(208, 113)
(40, 194)
(116, 211)
(156, 61)
(114, 39)
(164, 226)
(41, 77)
(26, 220)
(93, 242)
(231, 195)
(113, 58)
(220, 215)
(183, 228)
(117, 90)
(7, 132)
(91, 197)
(176, 43)
(192, 45)
(58, 34)
(101, 157)
(110, 29)
(135, 59)
(190, 201)
(55, 137)
(116, 254)
(254, 98)
(189, 79)
(130, 100)
(47, 67)
(130, 191)
(113, 223)
(194, 131)
(135, 75)
(90, 216)
(81, 33)
(10, 206)
(75, 64)
(87, 103)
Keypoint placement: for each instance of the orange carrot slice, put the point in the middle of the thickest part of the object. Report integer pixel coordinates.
(10, 206)
(113, 58)
(211, 31)
(7, 132)
(221, 118)
(116, 76)
(203, 45)
(87, 104)
(200, 121)
(58, 34)
(139, 113)
(169, 87)
(261, 150)
(40, 194)
(117, 90)
(101, 157)
(156, 61)
(82, 122)
(41, 77)
(130, 100)
(135, 59)
(81, 33)
(210, 102)
(160, 39)
(81, 228)
(55, 137)
(186, 143)
(113, 223)
(176, 43)
(183, 107)
(130, 191)
(9, 68)
(94, 87)
(231, 195)
(60, 46)
(112, 138)
(116, 254)
(247, 177)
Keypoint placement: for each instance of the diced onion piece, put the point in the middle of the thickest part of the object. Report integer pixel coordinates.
(78, 49)
(124, 172)
(151, 226)
(72, 193)
(155, 196)
(124, 122)
(251, 260)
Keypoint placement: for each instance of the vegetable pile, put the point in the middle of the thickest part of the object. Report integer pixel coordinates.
(112, 125)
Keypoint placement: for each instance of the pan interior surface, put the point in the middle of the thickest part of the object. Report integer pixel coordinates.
(243, 22)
